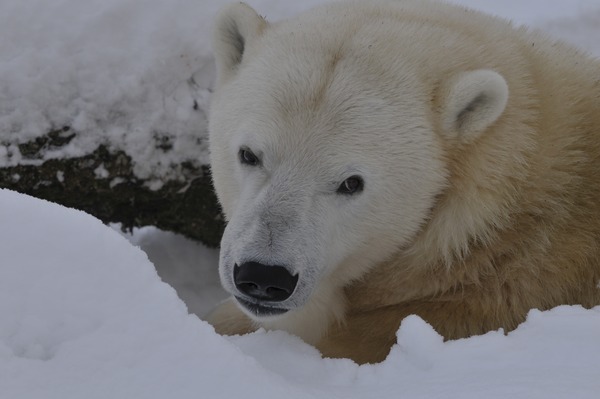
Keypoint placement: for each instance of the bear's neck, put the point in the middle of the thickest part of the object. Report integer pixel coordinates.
(518, 205)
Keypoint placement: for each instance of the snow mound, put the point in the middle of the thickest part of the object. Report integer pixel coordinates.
(83, 313)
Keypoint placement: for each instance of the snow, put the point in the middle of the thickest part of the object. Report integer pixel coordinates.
(124, 73)
(134, 75)
(186, 265)
(85, 313)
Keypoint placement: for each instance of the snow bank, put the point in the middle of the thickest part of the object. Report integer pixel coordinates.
(83, 314)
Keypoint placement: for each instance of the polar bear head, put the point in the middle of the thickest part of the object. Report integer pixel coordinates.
(328, 142)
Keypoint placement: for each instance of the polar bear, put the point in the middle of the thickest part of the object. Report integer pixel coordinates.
(377, 159)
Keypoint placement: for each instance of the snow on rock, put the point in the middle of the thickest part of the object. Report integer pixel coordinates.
(121, 73)
(83, 314)
(134, 75)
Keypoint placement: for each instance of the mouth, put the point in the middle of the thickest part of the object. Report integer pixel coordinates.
(261, 310)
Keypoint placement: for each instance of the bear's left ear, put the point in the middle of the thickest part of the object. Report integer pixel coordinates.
(235, 27)
(471, 102)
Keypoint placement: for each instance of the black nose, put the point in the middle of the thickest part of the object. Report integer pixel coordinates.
(264, 282)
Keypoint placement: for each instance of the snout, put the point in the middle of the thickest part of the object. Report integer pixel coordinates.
(263, 286)
(264, 282)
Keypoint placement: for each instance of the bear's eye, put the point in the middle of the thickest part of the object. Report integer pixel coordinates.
(247, 157)
(352, 185)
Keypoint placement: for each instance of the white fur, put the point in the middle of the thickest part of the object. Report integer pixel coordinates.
(351, 89)
(235, 26)
(474, 101)
(303, 112)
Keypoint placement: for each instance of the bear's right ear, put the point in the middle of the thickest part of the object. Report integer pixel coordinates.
(235, 26)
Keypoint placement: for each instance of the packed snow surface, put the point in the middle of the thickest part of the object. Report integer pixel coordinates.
(84, 314)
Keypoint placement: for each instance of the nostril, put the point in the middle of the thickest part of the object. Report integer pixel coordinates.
(264, 282)
(277, 291)
(249, 286)
(276, 294)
